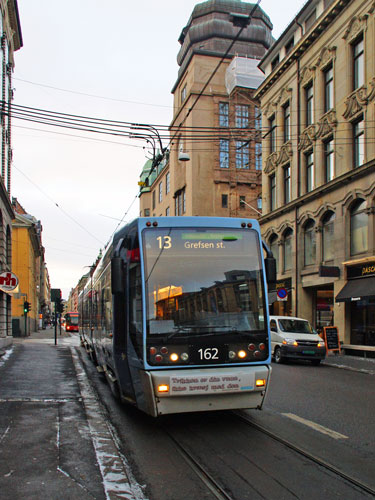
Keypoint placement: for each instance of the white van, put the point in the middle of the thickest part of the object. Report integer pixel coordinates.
(294, 338)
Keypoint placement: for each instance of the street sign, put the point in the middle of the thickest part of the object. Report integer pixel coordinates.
(282, 294)
(8, 281)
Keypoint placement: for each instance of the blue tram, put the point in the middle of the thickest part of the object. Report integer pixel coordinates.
(176, 314)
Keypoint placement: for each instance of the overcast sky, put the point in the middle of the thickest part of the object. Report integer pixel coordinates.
(114, 60)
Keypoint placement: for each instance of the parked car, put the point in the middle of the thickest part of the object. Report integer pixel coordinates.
(294, 338)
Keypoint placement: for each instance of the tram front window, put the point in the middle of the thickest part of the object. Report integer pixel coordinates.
(202, 282)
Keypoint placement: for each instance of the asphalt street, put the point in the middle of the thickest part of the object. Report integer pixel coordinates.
(55, 439)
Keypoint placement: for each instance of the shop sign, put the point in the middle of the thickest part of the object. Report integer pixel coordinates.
(362, 271)
(8, 281)
(329, 272)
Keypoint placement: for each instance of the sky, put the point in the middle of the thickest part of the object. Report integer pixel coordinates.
(110, 60)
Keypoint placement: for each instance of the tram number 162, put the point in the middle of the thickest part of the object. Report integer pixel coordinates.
(209, 353)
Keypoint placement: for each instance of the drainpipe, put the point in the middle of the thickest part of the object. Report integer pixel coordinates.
(298, 187)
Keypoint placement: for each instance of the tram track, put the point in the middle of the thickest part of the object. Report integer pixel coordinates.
(201, 471)
(317, 460)
(218, 489)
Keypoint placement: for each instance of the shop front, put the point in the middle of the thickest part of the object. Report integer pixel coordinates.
(359, 295)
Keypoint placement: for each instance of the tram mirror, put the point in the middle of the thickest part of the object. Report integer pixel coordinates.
(117, 275)
(270, 265)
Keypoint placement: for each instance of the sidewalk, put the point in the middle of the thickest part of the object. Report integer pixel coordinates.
(353, 363)
(55, 443)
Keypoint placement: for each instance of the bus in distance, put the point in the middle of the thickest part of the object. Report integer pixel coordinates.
(71, 322)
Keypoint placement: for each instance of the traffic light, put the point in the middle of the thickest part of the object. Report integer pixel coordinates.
(59, 306)
(26, 307)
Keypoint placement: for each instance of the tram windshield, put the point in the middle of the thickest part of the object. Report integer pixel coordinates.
(203, 281)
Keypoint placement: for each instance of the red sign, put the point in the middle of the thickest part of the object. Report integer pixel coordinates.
(8, 281)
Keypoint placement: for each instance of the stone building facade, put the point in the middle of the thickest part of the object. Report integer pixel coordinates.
(318, 115)
(214, 163)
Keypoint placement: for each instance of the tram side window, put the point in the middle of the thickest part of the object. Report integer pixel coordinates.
(135, 307)
(107, 309)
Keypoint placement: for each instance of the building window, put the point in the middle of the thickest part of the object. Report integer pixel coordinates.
(160, 192)
(310, 20)
(272, 133)
(183, 93)
(223, 114)
(286, 172)
(258, 118)
(286, 110)
(327, 237)
(147, 212)
(359, 143)
(242, 154)
(272, 192)
(309, 243)
(224, 201)
(328, 89)
(288, 250)
(242, 202)
(258, 156)
(224, 153)
(180, 202)
(259, 203)
(242, 116)
(275, 62)
(289, 46)
(167, 212)
(274, 247)
(358, 228)
(309, 159)
(329, 163)
(167, 183)
(309, 97)
(153, 200)
(358, 64)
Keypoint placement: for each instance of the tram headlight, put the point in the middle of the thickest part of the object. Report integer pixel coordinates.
(173, 357)
(184, 356)
(260, 382)
(231, 354)
(242, 354)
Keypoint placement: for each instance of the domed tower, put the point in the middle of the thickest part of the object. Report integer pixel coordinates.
(215, 24)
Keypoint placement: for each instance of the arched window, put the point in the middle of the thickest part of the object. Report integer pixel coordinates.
(274, 247)
(358, 228)
(328, 233)
(309, 240)
(288, 249)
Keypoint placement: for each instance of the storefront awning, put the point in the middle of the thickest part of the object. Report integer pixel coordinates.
(357, 289)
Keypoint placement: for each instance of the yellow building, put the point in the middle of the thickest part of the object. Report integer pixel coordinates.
(27, 253)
